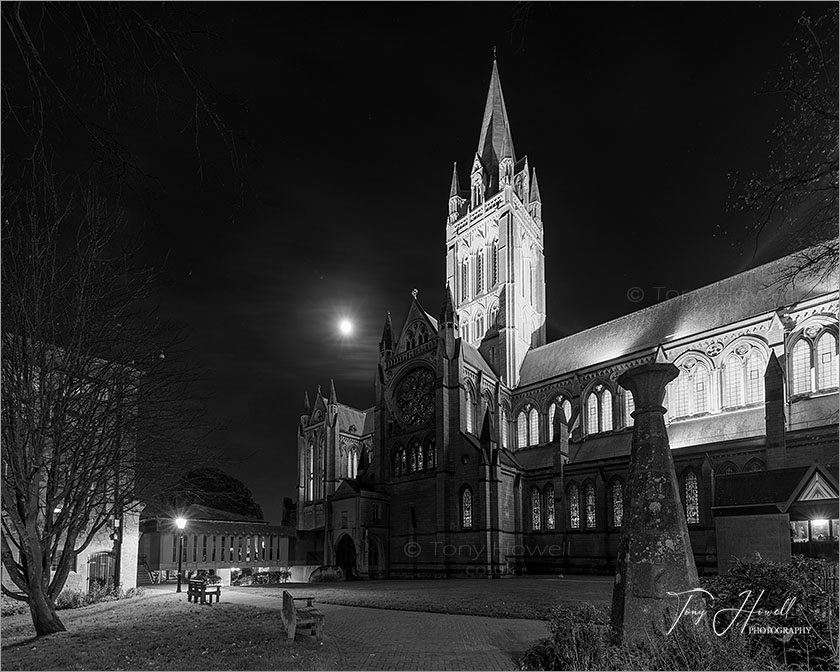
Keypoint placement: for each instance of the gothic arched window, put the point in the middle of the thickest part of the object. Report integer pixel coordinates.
(589, 497)
(521, 430)
(310, 466)
(592, 414)
(533, 427)
(617, 503)
(732, 397)
(479, 272)
(466, 507)
(403, 462)
(536, 509)
(465, 280)
(574, 506)
(470, 411)
(754, 377)
(726, 468)
(827, 361)
(397, 470)
(479, 327)
(801, 367)
(548, 496)
(606, 411)
(692, 498)
(420, 457)
(629, 407)
(504, 429)
(754, 465)
(495, 263)
(699, 390)
(430, 452)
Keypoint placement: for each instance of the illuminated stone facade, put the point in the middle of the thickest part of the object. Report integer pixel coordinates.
(489, 452)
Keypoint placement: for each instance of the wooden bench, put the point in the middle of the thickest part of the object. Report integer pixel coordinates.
(198, 588)
(295, 618)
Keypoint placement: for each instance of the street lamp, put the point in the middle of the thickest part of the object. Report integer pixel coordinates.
(181, 524)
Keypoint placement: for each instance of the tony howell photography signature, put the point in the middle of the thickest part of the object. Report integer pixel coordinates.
(722, 620)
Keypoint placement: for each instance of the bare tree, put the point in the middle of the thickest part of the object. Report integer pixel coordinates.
(797, 194)
(97, 406)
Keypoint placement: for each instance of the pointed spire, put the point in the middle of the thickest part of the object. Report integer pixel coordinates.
(534, 196)
(455, 189)
(507, 150)
(306, 405)
(495, 128)
(387, 341)
(318, 394)
(333, 398)
(661, 357)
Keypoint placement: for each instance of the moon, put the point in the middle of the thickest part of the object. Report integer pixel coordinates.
(345, 327)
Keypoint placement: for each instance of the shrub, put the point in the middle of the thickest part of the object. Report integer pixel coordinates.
(577, 642)
(10, 607)
(327, 574)
(74, 599)
(280, 576)
(802, 590)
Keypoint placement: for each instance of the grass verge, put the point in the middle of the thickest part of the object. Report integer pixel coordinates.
(162, 633)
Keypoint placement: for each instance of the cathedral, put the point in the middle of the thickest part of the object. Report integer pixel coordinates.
(489, 452)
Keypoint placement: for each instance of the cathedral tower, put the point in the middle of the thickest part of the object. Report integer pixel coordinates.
(494, 247)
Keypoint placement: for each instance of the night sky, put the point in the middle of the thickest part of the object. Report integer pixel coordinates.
(351, 116)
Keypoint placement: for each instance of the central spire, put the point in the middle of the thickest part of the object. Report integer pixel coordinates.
(495, 128)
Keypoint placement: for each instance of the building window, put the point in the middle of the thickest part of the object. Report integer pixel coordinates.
(403, 462)
(599, 409)
(412, 460)
(700, 389)
(590, 505)
(495, 263)
(493, 316)
(801, 367)
(397, 470)
(617, 503)
(430, 453)
(204, 548)
(310, 465)
(533, 427)
(726, 469)
(470, 412)
(574, 507)
(466, 508)
(552, 411)
(629, 407)
(420, 461)
(521, 430)
(213, 549)
(548, 494)
(827, 362)
(175, 542)
(479, 327)
(689, 393)
(344, 520)
(479, 272)
(754, 465)
(536, 511)
(732, 382)
(692, 499)
(754, 377)
(504, 429)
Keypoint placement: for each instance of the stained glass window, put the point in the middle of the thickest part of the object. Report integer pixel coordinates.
(701, 388)
(755, 377)
(479, 273)
(466, 508)
(521, 430)
(590, 505)
(420, 461)
(412, 460)
(430, 453)
(606, 411)
(548, 494)
(470, 411)
(403, 465)
(574, 507)
(827, 362)
(536, 513)
(629, 407)
(732, 373)
(592, 413)
(692, 498)
(801, 368)
(533, 427)
(617, 503)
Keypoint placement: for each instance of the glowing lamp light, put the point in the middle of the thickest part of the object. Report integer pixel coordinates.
(345, 327)
(819, 521)
(181, 523)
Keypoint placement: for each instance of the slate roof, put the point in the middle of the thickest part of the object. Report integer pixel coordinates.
(474, 358)
(757, 487)
(535, 457)
(740, 297)
(347, 415)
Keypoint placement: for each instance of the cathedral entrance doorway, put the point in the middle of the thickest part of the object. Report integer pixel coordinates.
(345, 556)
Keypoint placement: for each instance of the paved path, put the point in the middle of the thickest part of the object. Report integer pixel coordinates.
(386, 639)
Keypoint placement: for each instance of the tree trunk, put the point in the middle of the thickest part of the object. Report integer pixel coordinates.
(44, 618)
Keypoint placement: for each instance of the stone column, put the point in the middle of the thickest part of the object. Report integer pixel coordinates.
(654, 555)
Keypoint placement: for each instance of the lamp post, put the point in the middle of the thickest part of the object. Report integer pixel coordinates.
(180, 523)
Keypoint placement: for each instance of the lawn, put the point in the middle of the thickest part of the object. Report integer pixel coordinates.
(521, 597)
(161, 632)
